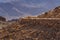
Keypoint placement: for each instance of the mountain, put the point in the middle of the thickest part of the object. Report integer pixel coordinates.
(55, 13)
(32, 28)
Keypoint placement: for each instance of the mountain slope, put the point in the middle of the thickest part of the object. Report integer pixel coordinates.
(55, 13)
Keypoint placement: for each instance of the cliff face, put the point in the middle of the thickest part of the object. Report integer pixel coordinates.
(32, 29)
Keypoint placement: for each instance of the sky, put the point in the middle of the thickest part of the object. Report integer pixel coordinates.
(48, 4)
(33, 6)
(6, 0)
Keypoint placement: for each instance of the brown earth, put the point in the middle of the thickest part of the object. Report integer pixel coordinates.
(32, 29)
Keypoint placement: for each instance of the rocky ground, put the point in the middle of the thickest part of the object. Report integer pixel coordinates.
(32, 29)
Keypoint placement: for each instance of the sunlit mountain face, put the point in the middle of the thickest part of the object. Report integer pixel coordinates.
(20, 8)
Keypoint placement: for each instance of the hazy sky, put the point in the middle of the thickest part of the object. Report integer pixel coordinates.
(39, 4)
(6, 0)
(45, 2)
(34, 6)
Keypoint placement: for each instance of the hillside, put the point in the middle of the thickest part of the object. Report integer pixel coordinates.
(32, 28)
(54, 13)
